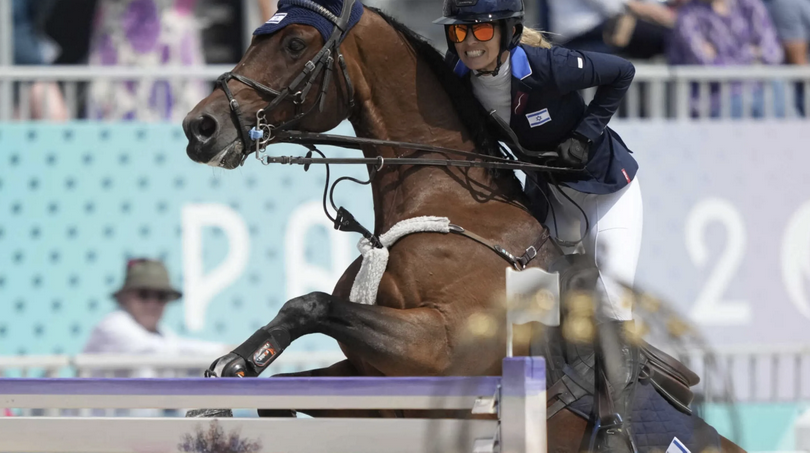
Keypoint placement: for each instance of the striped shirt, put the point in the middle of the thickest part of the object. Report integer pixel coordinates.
(744, 36)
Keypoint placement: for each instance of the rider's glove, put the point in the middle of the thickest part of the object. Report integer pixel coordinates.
(574, 151)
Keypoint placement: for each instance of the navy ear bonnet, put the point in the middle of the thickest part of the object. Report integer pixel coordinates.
(291, 14)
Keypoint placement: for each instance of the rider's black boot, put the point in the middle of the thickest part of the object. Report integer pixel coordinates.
(617, 359)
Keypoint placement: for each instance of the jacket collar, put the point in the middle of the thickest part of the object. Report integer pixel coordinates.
(521, 69)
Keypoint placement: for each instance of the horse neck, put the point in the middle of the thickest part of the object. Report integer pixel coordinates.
(401, 99)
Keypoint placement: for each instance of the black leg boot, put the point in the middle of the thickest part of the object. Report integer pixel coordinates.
(617, 369)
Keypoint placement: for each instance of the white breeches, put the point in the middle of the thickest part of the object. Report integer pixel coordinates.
(614, 239)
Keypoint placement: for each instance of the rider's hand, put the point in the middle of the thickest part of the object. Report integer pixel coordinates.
(574, 151)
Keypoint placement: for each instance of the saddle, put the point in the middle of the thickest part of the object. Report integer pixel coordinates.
(672, 379)
(669, 376)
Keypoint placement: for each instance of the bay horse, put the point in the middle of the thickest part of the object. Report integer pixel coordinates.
(438, 290)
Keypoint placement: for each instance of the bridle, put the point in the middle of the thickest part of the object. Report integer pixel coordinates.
(322, 64)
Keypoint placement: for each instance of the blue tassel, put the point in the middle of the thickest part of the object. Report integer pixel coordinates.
(256, 134)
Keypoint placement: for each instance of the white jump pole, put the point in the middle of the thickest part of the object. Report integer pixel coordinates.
(520, 401)
(523, 405)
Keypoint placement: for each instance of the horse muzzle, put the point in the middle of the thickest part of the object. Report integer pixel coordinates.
(210, 144)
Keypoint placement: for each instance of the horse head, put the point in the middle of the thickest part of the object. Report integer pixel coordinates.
(292, 76)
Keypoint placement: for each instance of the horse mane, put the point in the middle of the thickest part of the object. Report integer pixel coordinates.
(470, 111)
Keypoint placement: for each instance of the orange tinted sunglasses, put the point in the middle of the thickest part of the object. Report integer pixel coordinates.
(482, 32)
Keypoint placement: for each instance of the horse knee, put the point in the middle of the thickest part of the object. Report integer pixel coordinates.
(306, 311)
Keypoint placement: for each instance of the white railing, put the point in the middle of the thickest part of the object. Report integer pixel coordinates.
(516, 405)
(745, 373)
(116, 365)
(659, 91)
(76, 82)
(108, 365)
(751, 373)
(683, 92)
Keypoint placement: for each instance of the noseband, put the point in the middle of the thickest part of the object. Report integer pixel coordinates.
(300, 87)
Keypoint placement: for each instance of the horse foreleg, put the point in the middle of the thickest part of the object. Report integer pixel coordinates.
(340, 369)
(394, 341)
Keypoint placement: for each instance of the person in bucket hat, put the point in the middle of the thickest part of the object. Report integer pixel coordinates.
(146, 291)
(134, 327)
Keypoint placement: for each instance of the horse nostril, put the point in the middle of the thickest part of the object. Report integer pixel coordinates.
(205, 127)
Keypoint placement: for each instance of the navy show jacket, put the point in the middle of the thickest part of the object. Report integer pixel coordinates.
(547, 108)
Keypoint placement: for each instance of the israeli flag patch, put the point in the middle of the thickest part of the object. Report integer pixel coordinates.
(277, 18)
(538, 118)
(676, 446)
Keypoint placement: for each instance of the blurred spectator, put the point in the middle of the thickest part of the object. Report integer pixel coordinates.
(643, 30)
(146, 33)
(725, 33)
(134, 327)
(792, 21)
(632, 28)
(149, 33)
(33, 47)
(70, 24)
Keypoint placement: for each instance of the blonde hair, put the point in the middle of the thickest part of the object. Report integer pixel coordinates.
(534, 38)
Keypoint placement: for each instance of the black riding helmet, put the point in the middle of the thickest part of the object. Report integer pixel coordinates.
(508, 13)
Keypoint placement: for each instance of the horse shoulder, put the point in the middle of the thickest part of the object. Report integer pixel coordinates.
(343, 287)
(452, 273)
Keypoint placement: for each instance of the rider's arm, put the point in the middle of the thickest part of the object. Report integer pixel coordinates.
(574, 70)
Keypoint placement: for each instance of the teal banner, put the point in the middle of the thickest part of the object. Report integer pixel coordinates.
(78, 200)
(726, 229)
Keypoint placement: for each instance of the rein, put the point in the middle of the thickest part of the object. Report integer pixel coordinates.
(309, 139)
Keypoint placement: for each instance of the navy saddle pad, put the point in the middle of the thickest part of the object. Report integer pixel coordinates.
(656, 423)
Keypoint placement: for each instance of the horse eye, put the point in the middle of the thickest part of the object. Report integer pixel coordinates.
(296, 45)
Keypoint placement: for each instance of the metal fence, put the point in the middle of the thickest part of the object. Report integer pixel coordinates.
(751, 373)
(658, 92)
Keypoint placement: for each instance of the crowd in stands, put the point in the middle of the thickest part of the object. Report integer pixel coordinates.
(685, 32)
(173, 33)
(691, 32)
(132, 33)
(144, 33)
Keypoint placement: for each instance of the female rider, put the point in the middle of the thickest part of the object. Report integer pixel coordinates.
(533, 88)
